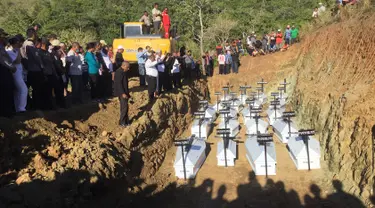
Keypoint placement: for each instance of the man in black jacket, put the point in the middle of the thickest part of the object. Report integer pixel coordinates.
(122, 92)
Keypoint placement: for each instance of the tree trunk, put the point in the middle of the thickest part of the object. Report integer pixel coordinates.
(201, 39)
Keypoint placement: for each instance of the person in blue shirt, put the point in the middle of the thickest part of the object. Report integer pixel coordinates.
(287, 35)
(142, 57)
(228, 62)
(93, 68)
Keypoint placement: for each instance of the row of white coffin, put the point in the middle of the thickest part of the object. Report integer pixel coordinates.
(255, 154)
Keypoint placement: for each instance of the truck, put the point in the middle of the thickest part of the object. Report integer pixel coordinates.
(132, 37)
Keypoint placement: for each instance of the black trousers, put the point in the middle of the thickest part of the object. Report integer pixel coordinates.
(162, 77)
(188, 69)
(176, 78)
(124, 108)
(168, 81)
(107, 80)
(77, 88)
(152, 82)
(221, 69)
(56, 84)
(94, 86)
(36, 80)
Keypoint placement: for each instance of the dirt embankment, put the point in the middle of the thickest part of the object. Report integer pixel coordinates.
(80, 157)
(333, 81)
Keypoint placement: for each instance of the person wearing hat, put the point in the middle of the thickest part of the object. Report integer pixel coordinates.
(20, 92)
(34, 67)
(6, 79)
(59, 85)
(119, 58)
(279, 39)
(287, 35)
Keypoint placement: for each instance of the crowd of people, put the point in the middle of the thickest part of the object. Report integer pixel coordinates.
(36, 71)
(228, 56)
(159, 20)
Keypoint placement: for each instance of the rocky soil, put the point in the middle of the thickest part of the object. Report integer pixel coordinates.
(70, 158)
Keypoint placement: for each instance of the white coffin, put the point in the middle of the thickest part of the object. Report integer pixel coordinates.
(235, 104)
(281, 130)
(233, 125)
(256, 156)
(194, 158)
(210, 113)
(282, 102)
(242, 99)
(271, 115)
(232, 114)
(231, 153)
(205, 128)
(262, 98)
(251, 126)
(245, 114)
(298, 153)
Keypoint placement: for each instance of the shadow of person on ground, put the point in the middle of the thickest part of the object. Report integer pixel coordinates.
(341, 198)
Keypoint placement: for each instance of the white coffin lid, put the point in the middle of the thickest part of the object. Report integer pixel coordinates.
(282, 129)
(197, 148)
(271, 113)
(298, 147)
(243, 100)
(262, 98)
(210, 112)
(205, 123)
(232, 124)
(232, 113)
(245, 111)
(257, 151)
(251, 126)
(231, 150)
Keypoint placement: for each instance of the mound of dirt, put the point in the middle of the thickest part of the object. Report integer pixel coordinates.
(73, 156)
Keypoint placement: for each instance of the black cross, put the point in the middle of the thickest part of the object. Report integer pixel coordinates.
(275, 103)
(284, 84)
(281, 89)
(263, 139)
(256, 111)
(305, 137)
(185, 143)
(225, 132)
(243, 90)
(217, 100)
(287, 115)
(203, 104)
(200, 115)
(262, 83)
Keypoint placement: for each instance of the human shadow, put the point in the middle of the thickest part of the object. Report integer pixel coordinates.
(81, 188)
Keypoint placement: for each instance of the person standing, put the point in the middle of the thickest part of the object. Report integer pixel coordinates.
(122, 92)
(228, 62)
(188, 64)
(20, 92)
(141, 58)
(166, 22)
(176, 73)
(152, 76)
(59, 85)
(168, 62)
(156, 17)
(287, 35)
(279, 39)
(219, 49)
(208, 62)
(147, 23)
(107, 75)
(93, 68)
(34, 68)
(235, 61)
(119, 58)
(315, 13)
(6, 79)
(294, 34)
(221, 60)
(76, 61)
(161, 72)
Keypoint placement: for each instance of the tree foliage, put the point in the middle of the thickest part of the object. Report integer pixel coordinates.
(101, 19)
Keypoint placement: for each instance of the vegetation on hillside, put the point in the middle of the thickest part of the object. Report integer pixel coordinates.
(92, 19)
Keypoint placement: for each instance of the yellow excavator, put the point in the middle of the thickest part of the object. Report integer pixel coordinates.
(132, 37)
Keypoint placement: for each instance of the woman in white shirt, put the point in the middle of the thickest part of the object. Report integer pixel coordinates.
(176, 74)
(152, 76)
(20, 93)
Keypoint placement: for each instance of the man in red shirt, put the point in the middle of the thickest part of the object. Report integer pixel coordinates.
(279, 39)
(166, 22)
